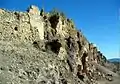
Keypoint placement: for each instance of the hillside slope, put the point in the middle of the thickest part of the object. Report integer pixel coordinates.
(114, 60)
(46, 48)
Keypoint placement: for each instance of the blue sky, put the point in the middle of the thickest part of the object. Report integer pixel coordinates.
(98, 19)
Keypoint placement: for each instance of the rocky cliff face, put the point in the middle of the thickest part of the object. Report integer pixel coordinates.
(46, 48)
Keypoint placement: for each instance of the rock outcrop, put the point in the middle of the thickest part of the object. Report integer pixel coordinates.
(46, 48)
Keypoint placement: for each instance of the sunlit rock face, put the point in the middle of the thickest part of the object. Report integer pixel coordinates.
(45, 48)
(36, 21)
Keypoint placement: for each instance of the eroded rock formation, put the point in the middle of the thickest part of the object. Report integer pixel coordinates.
(45, 48)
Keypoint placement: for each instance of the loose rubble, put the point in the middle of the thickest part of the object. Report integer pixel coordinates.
(46, 48)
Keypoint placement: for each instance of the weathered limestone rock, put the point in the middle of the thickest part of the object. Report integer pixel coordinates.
(62, 53)
(36, 21)
(34, 10)
(1, 11)
(45, 48)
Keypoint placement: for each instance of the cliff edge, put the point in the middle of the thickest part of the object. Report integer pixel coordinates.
(45, 48)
